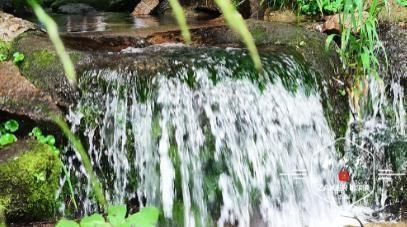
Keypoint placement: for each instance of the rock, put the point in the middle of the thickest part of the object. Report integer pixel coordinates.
(76, 8)
(286, 16)
(394, 39)
(29, 180)
(332, 22)
(42, 67)
(145, 7)
(394, 14)
(18, 96)
(101, 5)
(11, 27)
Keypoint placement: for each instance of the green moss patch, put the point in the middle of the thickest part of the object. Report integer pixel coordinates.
(29, 182)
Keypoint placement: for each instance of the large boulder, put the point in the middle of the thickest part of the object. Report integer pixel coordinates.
(29, 180)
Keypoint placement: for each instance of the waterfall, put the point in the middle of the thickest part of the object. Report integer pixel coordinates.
(222, 152)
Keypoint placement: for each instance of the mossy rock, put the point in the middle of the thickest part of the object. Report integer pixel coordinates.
(29, 179)
(43, 68)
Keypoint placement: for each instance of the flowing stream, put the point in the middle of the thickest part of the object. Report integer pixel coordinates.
(215, 144)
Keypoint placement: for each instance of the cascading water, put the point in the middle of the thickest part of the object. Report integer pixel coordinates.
(213, 144)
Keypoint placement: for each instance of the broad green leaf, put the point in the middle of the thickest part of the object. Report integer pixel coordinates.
(95, 220)
(7, 139)
(116, 214)
(146, 217)
(11, 125)
(66, 223)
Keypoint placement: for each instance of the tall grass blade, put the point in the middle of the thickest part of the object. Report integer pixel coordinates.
(52, 31)
(181, 20)
(237, 23)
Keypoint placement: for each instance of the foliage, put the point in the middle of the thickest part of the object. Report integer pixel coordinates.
(18, 58)
(146, 217)
(50, 140)
(6, 132)
(310, 7)
(29, 183)
(4, 50)
(52, 31)
(402, 2)
(360, 44)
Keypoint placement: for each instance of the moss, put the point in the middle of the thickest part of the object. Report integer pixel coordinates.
(5, 48)
(29, 183)
(259, 34)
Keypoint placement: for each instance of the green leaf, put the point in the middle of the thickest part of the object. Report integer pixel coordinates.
(95, 220)
(42, 139)
(11, 125)
(66, 223)
(146, 217)
(7, 139)
(116, 214)
(18, 57)
(50, 140)
(36, 132)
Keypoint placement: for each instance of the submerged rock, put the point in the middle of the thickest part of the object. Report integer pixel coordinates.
(29, 180)
(76, 8)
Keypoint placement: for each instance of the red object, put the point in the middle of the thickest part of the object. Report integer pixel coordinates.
(343, 175)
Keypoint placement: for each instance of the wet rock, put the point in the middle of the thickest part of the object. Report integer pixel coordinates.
(29, 179)
(76, 8)
(394, 38)
(18, 96)
(42, 67)
(11, 27)
(310, 45)
(145, 7)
